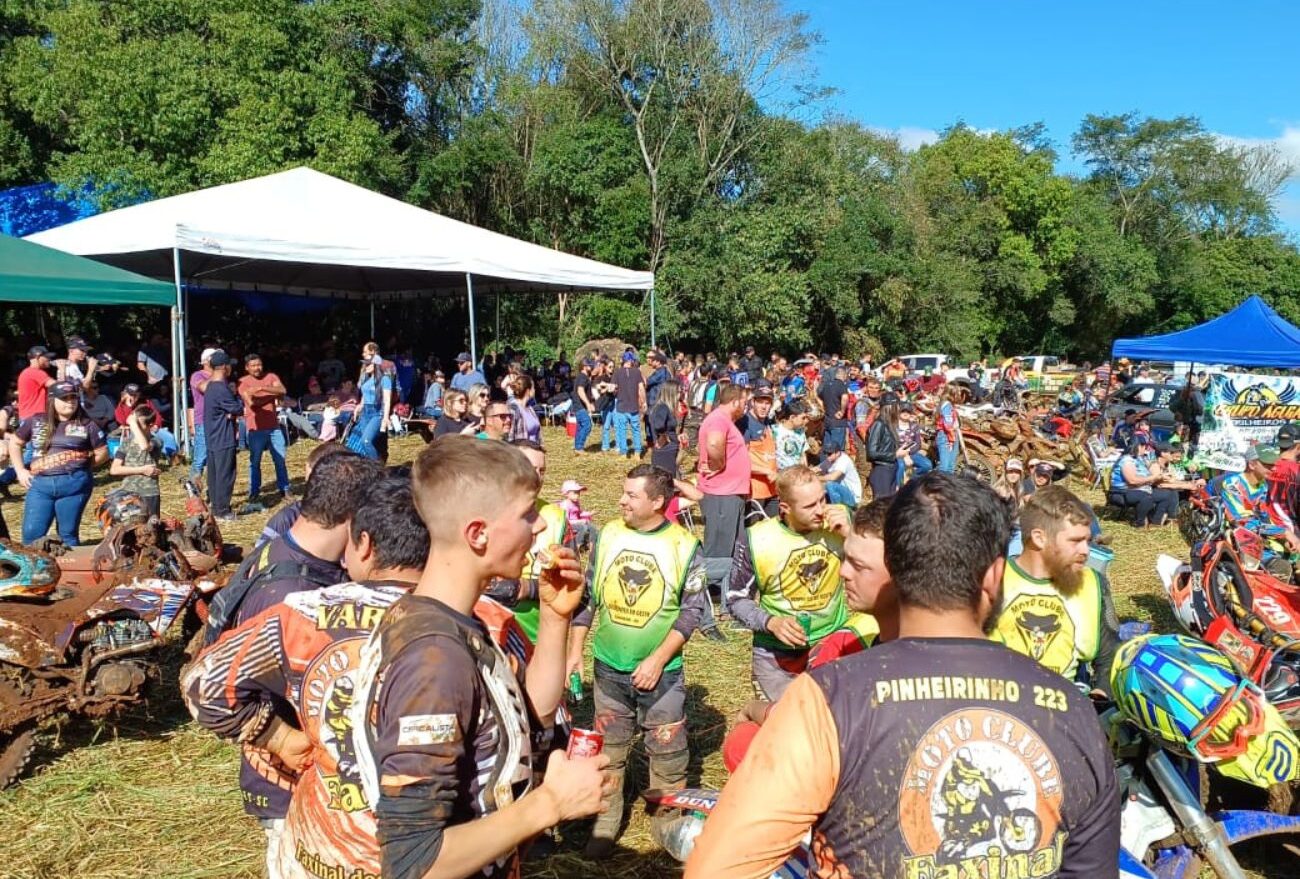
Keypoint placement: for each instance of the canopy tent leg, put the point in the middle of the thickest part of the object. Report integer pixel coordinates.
(180, 419)
(496, 337)
(473, 331)
(372, 320)
(652, 317)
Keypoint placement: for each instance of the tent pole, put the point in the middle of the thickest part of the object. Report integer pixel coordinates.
(496, 337)
(180, 406)
(652, 317)
(473, 332)
(372, 319)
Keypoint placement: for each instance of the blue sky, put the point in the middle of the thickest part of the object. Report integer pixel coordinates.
(916, 68)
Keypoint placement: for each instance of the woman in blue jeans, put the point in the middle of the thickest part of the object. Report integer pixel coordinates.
(66, 447)
(376, 386)
(947, 428)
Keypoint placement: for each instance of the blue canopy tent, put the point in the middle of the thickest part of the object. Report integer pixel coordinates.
(1252, 334)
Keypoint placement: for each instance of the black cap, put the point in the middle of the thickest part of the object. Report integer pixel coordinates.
(65, 389)
(763, 390)
(1287, 435)
(37, 351)
(77, 343)
(134, 389)
(463, 357)
(218, 358)
(889, 398)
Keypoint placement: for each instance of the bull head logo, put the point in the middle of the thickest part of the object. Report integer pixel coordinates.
(633, 581)
(1039, 630)
(810, 573)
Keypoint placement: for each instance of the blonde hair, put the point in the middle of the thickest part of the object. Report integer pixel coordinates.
(670, 395)
(457, 478)
(792, 477)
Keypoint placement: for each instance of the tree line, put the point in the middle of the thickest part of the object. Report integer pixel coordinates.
(689, 137)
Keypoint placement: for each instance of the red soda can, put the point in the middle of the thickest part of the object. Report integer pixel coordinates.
(585, 743)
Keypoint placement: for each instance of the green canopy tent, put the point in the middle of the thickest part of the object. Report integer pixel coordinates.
(35, 273)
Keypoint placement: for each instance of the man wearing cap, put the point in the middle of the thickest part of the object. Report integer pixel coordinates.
(752, 364)
(584, 404)
(148, 359)
(629, 404)
(756, 427)
(1245, 496)
(1284, 479)
(78, 367)
(34, 383)
(261, 392)
(198, 391)
(220, 410)
(466, 375)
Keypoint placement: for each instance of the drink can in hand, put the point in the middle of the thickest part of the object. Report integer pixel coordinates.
(585, 743)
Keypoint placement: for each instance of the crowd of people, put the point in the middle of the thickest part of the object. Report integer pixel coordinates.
(393, 655)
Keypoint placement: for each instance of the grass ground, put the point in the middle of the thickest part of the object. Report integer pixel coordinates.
(150, 794)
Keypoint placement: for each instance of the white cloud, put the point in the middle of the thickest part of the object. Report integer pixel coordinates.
(1287, 144)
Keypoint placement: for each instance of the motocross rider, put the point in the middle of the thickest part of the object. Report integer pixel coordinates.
(1245, 497)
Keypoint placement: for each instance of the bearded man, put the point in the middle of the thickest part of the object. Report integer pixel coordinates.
(1055, 609)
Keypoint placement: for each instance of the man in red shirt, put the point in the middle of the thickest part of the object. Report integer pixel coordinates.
(725, 472)
(261, 392)
(34, 383)
(129, 400)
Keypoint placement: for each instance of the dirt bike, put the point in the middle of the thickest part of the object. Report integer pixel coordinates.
(1165, 830)
(82, 633)
(1227, 598)
(992, 818)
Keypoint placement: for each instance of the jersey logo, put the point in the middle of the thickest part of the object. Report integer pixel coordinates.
(809, 577)
(328, 694)
(634, 589)
(1039, 626)
(982, 794)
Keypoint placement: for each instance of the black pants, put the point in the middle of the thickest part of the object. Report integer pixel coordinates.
(221, 479)
(883, 479)
(1149, 507)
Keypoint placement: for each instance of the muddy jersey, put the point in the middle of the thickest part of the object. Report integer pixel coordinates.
(922, 759)
(1068, 634)
(444, 733)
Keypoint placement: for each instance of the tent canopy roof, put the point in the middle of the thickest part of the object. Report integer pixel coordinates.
(1252, 334)
(32, 273)
(304, 232)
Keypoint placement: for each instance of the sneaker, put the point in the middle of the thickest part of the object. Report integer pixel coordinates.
(250, 508)
(227, 519)
(599, 849)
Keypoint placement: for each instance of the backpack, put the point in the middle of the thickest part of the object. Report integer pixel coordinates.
(224, 609)
(699, 393)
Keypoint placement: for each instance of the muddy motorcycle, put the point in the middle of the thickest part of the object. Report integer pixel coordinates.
(82, 632)
(1166, 831)
(1226, 597)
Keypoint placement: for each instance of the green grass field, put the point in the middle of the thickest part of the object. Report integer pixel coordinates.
(150, 794)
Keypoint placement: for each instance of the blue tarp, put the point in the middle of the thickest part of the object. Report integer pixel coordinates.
(26, 210)
(1252, 334)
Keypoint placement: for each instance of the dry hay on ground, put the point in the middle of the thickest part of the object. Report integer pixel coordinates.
(151, 794)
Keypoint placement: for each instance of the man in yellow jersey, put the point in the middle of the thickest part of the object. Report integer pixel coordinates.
(645, 583)
(1055, 609)
(785, 581)
(520, 595)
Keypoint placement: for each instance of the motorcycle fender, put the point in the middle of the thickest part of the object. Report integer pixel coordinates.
(1143, 819)
(158, 602)
(22, 646)
(1131, 868)
(1240, 825)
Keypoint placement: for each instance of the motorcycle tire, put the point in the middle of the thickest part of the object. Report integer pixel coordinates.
(16, 744)
(1012, 826)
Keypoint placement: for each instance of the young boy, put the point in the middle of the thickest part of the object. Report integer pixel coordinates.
(446, 758)
(137, 458)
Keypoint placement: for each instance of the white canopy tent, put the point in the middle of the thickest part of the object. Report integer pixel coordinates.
(304, 233)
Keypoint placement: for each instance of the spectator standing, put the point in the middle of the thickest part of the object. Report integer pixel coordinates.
(665, 430)
(66, 447)
(883, 448)
(660, 376)
(261, 392)
(756, 426)
(524, 422)
(34, 383)
(584, 404)
(639, 680)
(724, 474)
(466, 375)
(834, 394)
(136, 459)
(947, 428)
(371, 417)
(220, 410)
(629, 405)
(148, 360)
(198, 387)
(79, 366)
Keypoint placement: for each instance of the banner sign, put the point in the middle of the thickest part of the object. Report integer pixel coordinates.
(1243, 409)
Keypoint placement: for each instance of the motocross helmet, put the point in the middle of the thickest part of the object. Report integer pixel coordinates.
(25, 573)
(121, 507)
(1190, 698)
